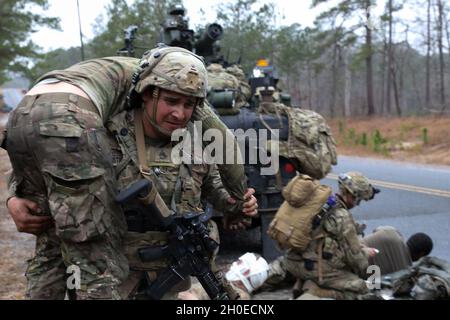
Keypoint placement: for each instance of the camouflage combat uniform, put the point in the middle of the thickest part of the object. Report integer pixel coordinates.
(245, 91)
(183, 187)
(61, 154)
(333, 265)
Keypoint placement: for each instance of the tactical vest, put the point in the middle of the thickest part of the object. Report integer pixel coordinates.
(325, 246)
(174, 182)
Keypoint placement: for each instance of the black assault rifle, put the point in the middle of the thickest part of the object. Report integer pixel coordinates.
(189, 246)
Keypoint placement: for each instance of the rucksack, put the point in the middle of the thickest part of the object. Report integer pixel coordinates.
(292, 225)
(310, 146)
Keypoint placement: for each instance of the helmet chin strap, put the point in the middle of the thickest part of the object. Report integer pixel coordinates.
(152, 120)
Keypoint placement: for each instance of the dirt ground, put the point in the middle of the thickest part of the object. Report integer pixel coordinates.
(412, 139)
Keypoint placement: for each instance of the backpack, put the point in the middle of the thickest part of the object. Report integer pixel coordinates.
(311, 143)
(310, 146)
(292, 225)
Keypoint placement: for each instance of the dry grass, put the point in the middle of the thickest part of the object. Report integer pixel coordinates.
(405, 138)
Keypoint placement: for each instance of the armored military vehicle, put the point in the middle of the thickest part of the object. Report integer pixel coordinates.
(244, 103)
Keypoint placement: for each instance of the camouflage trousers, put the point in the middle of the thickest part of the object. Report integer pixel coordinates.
(278, 276)
(59, 151)
(325, 281)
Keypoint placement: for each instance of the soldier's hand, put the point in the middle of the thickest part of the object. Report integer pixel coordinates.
(360, 228)
(251, 204)
(21, 212)
(371, 252)
(249, 210)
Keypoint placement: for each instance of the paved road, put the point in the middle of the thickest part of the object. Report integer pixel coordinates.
(414, 198)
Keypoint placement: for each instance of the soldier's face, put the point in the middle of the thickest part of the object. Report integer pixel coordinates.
(174, 110)
(350, 201)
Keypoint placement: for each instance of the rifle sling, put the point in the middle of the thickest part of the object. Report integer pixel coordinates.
(140, 141)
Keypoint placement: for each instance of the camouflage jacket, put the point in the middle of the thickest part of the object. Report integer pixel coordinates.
(182, 187)
(341, 246)
(107, 81)
(196, 182)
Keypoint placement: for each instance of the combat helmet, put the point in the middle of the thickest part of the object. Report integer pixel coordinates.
(170, 68)
(357, 185)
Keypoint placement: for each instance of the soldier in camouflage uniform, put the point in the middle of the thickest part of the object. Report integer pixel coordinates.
(230, 79)
(61, 142)
(245, 92)
(335, 262)
(3, 106)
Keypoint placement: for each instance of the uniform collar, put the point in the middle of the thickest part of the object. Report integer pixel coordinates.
(340, 201)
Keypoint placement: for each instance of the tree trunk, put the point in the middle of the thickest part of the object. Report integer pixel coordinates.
(396, 94)
(440, 27)
(347, 85)
(390, 56)
(369, 72)
(317, 93)
(309, 85)
(383, 74)
(298, 89)
(334, 81)
(427, 79)
(401, 71)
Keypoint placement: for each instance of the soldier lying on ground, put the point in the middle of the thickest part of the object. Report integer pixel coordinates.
(394, 253)
(72, 144)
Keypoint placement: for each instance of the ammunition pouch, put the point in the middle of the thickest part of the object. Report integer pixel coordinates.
(138, 221)
(329, 246)
(309, 264)
(327, 255)
(136, 240)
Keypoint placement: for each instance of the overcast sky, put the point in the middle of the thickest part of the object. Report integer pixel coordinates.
(293, 11)
(66, 10)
